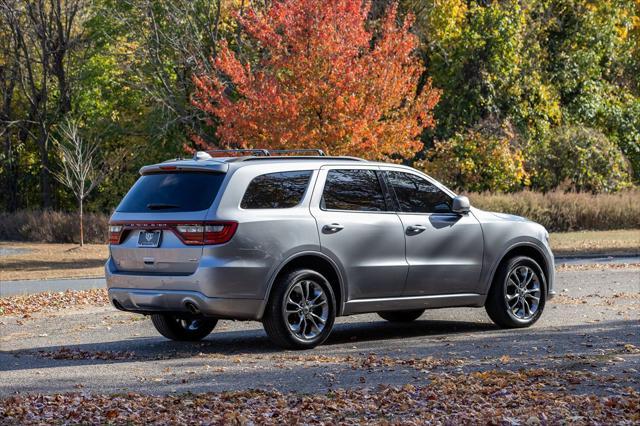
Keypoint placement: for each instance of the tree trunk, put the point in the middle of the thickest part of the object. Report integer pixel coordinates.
(81, 226)
(45, 181)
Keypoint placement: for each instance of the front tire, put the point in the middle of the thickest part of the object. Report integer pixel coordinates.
(518, 293)
(401, 316)
(183, 329)
(301, 311)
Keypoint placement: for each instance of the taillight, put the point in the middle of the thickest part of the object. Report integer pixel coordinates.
(191, 233)
(206, 233)
(115, 234)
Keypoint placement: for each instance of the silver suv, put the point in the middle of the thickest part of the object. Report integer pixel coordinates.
(294, 241)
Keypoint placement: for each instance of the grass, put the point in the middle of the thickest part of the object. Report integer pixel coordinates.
(50, 261)
(596, 242)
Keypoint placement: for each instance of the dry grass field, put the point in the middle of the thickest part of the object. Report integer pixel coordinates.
(47, 261)
(54, 261)
(625, 241)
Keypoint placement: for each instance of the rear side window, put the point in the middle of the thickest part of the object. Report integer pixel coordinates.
(418, 195)
(276, 190)
(172, 192)
(357, 190)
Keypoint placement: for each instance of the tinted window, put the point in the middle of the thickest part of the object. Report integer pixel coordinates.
(418, 195)
(352, 190)
(172, 192)
(276, 190)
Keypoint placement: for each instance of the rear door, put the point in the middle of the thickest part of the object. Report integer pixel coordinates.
(152, 214)
(358, 231)
(444, 249)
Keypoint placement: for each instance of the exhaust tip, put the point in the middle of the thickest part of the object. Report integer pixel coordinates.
(191, 307)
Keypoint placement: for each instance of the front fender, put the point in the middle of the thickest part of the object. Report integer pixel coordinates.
(513, 246)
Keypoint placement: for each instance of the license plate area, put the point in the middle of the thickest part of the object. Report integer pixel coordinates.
(149, 238)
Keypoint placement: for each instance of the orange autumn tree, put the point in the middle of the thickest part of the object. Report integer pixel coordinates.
(322, 79)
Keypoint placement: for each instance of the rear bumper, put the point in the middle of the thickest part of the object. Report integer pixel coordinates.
(208, 290)
(182, 301)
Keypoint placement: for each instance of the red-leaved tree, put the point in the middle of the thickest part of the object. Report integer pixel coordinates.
(322, 79)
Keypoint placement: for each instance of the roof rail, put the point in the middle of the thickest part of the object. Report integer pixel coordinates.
(263, 152)
(302, 157)
(266, 152)
(298, 151)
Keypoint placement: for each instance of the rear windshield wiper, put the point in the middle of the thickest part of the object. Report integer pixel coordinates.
(160, 206)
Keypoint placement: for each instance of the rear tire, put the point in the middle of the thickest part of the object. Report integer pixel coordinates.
(183, 329)
(301, 310)
(401, 316)
(518, 293)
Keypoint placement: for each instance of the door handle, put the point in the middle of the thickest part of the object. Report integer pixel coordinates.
(416, 229)
(333, 228)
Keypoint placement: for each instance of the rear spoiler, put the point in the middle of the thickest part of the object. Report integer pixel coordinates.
(177, 167)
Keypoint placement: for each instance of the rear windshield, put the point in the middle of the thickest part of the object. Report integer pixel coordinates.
(172, 192)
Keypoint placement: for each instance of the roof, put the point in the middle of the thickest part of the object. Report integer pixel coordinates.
(203, 161)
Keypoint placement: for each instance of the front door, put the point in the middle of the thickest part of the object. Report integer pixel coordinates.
(359, 232)
(444, 250)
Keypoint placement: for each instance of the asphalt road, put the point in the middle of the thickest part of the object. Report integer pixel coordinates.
(593, 325)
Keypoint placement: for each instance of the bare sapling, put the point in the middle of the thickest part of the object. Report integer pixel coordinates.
(81, 169)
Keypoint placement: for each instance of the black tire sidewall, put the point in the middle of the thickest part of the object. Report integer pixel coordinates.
(169, 327)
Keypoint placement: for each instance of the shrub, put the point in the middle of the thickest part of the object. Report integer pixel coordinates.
(478, 160)
(559, 211)
(52, 227)
(580, 159)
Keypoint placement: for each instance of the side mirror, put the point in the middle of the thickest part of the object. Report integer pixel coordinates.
(461, 205)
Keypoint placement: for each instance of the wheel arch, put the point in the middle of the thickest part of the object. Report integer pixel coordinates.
(318, 262)
(529, 250)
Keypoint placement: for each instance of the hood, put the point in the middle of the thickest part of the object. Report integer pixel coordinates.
(509, 217)
(493, 216)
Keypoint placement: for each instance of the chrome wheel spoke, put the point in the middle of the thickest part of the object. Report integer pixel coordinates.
(315, 299)
(313, 322)
(510, 297)
(317, 317)
(305, 290)
(319, 304)
(528, 280)
(527, 308)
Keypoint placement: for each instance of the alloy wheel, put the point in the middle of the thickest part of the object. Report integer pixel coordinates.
(522, 292)
(306, 309)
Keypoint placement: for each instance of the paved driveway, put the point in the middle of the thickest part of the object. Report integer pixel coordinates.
(593, 325)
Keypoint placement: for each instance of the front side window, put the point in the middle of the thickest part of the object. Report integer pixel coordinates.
(276, 190)
(357, 190)
(418, 195)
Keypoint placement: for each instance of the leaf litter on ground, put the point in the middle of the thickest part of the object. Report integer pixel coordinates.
(526, 397)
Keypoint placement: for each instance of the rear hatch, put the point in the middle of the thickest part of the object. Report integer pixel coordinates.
(159, 227)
